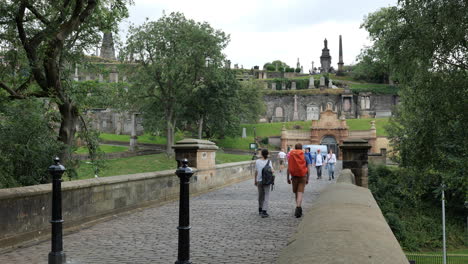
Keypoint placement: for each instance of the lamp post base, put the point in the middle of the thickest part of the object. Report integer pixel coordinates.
(183, 262)
(57, 257)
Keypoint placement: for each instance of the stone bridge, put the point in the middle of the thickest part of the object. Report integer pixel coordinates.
(226, 227)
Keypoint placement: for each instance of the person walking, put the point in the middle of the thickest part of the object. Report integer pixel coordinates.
(318, 164)
(309, 160)
(282, 158)
(263, 190)
(297, 168)
(330, 164)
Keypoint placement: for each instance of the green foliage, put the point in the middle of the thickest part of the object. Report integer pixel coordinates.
(289, 69)
(427, 52)
(174, 55)
(250, 101)
(297, 70)
(411, 206)
(371, 67)
(44, 40)
(282, 66)
(373, 88)
(27, 143)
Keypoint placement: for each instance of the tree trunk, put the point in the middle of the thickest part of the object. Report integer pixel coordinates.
(200, 128)
(70, 115)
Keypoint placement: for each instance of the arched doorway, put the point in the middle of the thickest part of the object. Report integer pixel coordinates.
(331, 143)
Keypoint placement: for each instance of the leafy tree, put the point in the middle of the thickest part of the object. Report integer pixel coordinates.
(251, 101)
(27, 142)
(43, 39)
(277, 64)
(427, 51)
(371, 67)
(171, 54)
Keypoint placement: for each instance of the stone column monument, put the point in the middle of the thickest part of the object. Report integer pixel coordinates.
(296, 114)
(340, 60)
(325, 59)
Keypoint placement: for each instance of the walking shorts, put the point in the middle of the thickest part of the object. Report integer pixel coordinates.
(298, 183)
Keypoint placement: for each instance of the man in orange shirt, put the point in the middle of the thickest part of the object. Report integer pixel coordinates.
(297, 168)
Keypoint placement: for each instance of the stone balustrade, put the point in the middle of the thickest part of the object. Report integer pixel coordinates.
(344, 226)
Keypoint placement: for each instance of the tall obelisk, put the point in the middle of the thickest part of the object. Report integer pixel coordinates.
(340, 59)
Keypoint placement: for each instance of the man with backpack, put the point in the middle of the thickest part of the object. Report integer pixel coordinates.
(264, 179)
(298, 170)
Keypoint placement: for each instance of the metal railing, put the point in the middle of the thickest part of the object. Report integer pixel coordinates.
(425, 258)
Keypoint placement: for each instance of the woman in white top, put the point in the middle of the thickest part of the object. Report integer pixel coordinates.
(263, 190)
(331, 160)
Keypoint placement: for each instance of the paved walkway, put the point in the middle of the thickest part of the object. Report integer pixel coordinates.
(226, 228)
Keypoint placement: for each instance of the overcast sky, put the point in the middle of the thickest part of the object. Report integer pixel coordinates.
(265, 30)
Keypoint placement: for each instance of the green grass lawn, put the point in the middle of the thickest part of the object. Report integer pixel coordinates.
(262, 130)
(147, 163)
(364, 124)
(459, 256)
(146, 138)
(274, 129)
(105, 148)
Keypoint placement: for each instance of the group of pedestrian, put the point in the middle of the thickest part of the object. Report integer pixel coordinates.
(299, 167)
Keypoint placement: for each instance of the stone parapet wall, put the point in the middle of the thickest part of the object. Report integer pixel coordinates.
(345, 225)
(25, 212)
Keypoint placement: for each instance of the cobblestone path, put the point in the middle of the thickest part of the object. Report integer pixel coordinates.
(226, 228)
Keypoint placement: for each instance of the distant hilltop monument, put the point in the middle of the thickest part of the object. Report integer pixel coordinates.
(107, 48)
(340, 59)
(325, 59)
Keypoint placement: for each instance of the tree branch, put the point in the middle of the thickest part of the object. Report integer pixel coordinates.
(37, 14)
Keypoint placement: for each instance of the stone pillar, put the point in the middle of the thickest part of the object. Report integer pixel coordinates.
(354, 154)
(201, 154)
(295, 114)
(133, 136)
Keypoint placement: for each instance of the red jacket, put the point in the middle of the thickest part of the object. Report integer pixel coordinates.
(296, 163)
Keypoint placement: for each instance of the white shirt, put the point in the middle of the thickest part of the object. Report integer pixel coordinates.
(259, 164)
(318, 159)
(331, 158)
(282, 155)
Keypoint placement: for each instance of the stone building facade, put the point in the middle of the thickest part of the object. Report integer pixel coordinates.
(329, 130)
(280, 108)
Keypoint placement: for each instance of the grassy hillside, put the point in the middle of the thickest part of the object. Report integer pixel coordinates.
(274, 129)
(263, 130)
(147, 163)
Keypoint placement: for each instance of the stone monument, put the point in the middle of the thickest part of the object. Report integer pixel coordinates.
(330, 83)
(322, 82)
(293, 85)
(325, 59)
(244, 132)
(340, 59)
(107, 47)
(311, 83)
(273, 86)
(296, 114)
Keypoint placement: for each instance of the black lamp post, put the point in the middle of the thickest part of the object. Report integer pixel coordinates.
(184, 173)
(57, 256)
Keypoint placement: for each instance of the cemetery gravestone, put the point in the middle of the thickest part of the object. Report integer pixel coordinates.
(293, 85)
(312, 112)
(311, 83)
